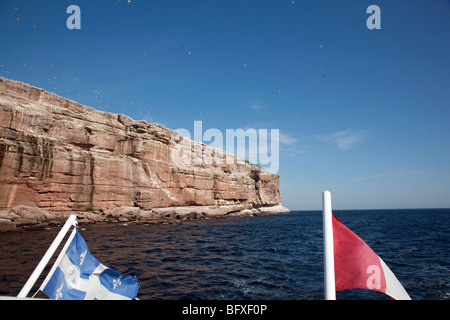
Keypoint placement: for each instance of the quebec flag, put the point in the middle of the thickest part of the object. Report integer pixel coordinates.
(78, 275)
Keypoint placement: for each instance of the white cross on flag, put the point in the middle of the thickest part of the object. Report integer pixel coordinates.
(78, 275)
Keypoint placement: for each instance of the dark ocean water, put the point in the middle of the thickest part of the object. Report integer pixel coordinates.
(254, 258)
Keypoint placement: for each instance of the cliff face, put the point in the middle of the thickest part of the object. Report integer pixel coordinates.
(58, 155)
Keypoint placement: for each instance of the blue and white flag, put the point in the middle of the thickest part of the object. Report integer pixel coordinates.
(77, 275)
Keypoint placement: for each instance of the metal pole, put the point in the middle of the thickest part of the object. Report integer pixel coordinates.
(72, 221)
(329, 281)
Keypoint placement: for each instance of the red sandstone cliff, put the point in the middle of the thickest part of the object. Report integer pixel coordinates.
(59, 156)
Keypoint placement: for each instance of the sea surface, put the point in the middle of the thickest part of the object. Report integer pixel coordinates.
(276, 257)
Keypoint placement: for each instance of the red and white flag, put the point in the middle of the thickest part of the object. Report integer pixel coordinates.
(356, 265)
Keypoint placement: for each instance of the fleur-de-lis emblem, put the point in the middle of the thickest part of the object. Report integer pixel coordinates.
(82, 256)
(58, 294)
(117, 283)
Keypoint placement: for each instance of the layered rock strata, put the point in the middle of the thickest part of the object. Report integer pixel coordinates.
(58, 156)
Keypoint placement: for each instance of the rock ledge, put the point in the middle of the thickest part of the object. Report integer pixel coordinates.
(58, 156)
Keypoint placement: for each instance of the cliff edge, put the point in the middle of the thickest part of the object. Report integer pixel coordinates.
(58, 157)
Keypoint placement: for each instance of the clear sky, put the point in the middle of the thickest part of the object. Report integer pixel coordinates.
(374, 130)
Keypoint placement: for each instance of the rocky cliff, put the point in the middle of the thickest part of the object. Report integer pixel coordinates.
(58, 156)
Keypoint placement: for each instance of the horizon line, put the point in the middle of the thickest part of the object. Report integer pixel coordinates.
(435, 208)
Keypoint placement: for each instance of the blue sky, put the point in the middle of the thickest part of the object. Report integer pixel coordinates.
(374, 130)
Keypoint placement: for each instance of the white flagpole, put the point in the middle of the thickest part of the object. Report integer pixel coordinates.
(329, 281)
(58, 260)
(72, 221)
